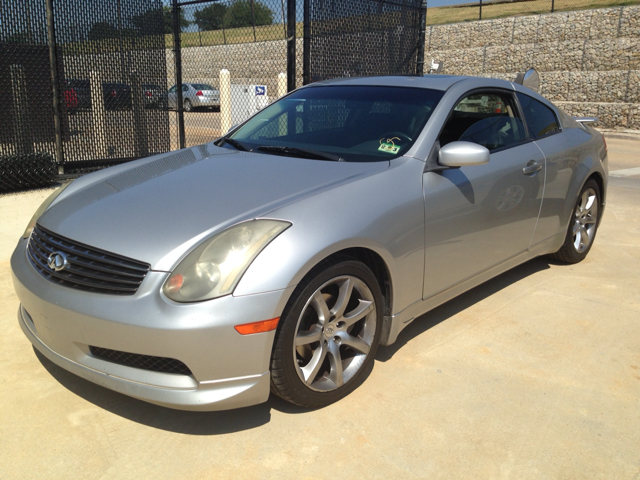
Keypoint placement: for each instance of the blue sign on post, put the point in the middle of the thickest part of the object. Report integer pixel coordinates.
(261, 90)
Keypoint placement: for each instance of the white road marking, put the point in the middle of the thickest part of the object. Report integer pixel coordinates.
(627, 172)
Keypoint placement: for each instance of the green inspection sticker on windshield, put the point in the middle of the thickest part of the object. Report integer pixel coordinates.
(389, 145)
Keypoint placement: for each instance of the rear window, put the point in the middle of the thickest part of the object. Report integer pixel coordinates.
(202, 86)
(541, 120)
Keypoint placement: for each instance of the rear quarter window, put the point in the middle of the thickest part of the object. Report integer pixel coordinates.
(541, 120)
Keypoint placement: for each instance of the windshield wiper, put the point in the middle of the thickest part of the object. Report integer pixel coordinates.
(234, 143)
(300, 152)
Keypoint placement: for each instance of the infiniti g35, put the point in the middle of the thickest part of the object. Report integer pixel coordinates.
(278, 258)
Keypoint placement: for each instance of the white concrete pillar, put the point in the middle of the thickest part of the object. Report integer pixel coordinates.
(98, 116)
(282, 91)
(225, 101)
(282, 84)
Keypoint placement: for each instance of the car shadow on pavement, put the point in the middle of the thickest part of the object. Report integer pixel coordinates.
(447, 310)
(177, 421)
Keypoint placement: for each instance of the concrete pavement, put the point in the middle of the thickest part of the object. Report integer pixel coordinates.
(535, 374)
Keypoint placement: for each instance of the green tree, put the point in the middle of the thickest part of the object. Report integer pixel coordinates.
(168, 20)
(150, 22)
(102, 30)
(20, 37)
(211, 17)
(239, 14)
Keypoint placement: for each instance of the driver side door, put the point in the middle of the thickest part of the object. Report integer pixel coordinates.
(477, 217)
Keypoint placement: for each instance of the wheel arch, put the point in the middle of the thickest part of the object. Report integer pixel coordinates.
(376, 264)
(599, 179)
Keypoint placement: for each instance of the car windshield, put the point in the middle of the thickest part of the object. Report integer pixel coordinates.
(354, 123)
(202, 86)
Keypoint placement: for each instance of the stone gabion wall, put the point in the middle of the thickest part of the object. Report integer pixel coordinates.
(589, 61)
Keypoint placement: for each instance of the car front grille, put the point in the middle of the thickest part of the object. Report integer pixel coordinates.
(144, 362)
(87, 268)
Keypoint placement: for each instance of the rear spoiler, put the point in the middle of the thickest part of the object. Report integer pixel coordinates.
(584, 120)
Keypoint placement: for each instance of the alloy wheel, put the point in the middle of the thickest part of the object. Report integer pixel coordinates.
(334, 333)
(586, 216)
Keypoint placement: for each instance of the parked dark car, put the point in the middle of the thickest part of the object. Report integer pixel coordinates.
(154, 96)
(76, 94)
(117, 96)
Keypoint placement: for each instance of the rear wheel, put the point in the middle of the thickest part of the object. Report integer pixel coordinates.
(328, 336)
(186, 106)
(582, 227)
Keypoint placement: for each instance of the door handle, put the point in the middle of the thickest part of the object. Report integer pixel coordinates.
(532, 167)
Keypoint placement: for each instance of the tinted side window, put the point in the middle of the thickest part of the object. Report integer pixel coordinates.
(488, 119)
(540, 118)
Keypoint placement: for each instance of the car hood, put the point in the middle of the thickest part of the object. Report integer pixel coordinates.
(156, 209)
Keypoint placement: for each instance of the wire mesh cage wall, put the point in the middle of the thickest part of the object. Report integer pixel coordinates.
(113, 81)
(82, 85)
(362, 37)
(27, 133)
(247, 39)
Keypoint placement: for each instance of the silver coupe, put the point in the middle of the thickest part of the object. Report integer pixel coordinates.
(279, 257)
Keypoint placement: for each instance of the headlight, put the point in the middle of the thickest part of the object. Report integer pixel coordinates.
(216, 266)
(42, 209)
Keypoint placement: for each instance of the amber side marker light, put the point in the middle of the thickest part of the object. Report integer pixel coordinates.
(258, 327)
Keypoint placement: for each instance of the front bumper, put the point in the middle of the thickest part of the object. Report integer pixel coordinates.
(229, 370)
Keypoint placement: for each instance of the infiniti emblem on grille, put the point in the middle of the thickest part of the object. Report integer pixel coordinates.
(57, 261)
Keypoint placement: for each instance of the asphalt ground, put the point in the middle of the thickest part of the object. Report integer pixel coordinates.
(535, 374)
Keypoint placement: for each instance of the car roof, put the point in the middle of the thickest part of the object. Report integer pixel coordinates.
(434, 82)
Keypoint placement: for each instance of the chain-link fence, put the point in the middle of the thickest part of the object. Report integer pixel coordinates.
(82, 85)
(230, 58)
(113, 83)
(452, 11)
(26, 110)
(362, 37)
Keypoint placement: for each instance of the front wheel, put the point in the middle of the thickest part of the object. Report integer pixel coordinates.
(582, 226)
(328, 335)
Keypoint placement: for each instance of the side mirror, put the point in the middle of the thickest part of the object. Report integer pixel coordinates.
(463, 154)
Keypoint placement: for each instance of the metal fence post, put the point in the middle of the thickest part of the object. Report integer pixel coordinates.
(177, 56)
(291, 45)
(553, 5)
(480, 16)
(253, 21)
(55, 83)
(306, 43)
(421, 38)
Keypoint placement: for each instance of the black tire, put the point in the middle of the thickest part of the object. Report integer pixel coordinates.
(287, 361)
(572, 251)
(186, 105)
